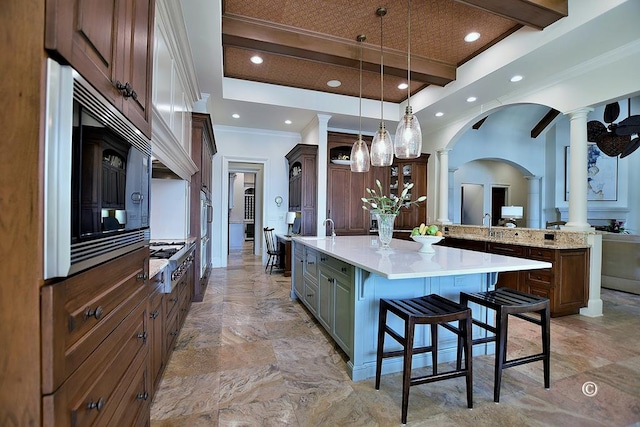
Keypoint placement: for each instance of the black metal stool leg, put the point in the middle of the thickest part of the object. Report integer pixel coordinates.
(434, 347)
(382, 323)
(465, 328)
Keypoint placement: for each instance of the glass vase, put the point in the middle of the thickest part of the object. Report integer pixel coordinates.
(385, 229)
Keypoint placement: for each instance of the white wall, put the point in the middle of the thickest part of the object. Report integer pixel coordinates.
(169, 209)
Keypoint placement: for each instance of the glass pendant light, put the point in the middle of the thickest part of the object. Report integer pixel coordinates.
(381, 146)
(360, 159)
(408, 138)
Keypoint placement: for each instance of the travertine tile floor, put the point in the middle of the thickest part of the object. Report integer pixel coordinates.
(248, 355)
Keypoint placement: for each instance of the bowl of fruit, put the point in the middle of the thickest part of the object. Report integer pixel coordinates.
(426, 235)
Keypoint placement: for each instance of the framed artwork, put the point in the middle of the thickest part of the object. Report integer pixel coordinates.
(602, 175)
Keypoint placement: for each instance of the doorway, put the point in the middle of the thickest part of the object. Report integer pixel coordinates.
(471, 205)
(498, 200)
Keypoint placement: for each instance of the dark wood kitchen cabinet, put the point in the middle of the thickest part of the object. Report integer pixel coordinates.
(566, 283)
(303, 185)
(345, 189)
(110, 43)
(403, 172)
(203, 148)
(95, 349)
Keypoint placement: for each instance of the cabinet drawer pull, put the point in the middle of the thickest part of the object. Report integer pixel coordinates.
(311, 262)
(96, 405)
(154, 314)
(343, 269)
(323, 259)
(142, 276)
(174, 333)
(143, 336)
(329, 279)
(173, 300)
(142, 396)
(97, 313)
(309, 295)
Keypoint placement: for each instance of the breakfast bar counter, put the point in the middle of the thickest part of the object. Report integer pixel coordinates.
(341, 281)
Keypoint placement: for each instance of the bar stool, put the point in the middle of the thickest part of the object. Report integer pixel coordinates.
(505, 301)
(431, 310)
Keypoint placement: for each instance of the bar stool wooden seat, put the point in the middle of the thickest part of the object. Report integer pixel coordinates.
(431, 310)
(505, 302)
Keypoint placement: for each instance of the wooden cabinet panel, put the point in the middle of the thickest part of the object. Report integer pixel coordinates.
(156, 334)
(303, 185)
(93, 392)
(80, 312)
(344, 207)
(203, 148)
(108, 43)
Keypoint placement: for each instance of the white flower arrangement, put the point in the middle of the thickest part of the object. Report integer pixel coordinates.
(389, 205)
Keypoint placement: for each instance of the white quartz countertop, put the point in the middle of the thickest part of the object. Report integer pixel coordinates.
(403, 261)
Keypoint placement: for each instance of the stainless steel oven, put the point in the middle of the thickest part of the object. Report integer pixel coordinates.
(97, 177)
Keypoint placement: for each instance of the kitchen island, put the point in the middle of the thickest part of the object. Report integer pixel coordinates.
(341, 281)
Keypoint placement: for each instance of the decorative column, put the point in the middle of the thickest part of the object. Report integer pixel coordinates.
(578, 170)
(533, 202)
(443, 187)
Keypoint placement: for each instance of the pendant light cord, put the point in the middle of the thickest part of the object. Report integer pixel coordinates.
(409, 57)
(360, 40)
(381, 13)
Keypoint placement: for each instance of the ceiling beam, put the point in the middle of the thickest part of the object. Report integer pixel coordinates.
(544, 122)
(252, 34)
(532, 13)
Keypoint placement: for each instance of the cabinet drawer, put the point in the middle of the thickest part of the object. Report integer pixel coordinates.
(135, 405)
(311, 264)
(311, 296)
(505, 249)
(340, 267)
(80, 312)
(92, 393)
(172, 301)
(542, 276)
(541, 290)
(541, 254)
(172, 329)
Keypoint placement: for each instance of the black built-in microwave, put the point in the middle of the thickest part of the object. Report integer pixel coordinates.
(97, 177)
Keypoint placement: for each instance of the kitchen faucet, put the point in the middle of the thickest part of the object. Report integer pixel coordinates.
(487, 215)
(333, 233)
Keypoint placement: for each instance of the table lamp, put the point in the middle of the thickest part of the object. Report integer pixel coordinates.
(291, 217)
(511, 213)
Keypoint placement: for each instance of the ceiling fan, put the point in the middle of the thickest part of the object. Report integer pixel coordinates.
(616, 138)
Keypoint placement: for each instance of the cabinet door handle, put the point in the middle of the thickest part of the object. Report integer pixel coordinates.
(154, 314)
(343, 269)
(96, 405)
(142, 396)
(142, 276)
(97, 313)
(323, 259)
(126, 90)
(143, 336)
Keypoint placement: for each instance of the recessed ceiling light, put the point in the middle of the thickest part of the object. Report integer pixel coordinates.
(516, 78)
(403, 86)
(287, 122)
(471, 99)
(471, 37)
(334, 83)
(235, 115)
(256, 59)
(439, 114)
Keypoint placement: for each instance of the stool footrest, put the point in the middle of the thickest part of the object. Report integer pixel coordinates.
(484, 325)
(416, 350)
(527, 318)
(523, 360)
(437, 377)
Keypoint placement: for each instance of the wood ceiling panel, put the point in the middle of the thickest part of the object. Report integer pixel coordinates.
(315, 39)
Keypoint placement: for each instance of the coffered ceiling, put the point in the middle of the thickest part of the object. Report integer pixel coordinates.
(306, 43)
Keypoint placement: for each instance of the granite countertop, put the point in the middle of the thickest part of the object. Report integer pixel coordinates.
(156, 266)
(551, 244)
(403, 260)
(534, 237)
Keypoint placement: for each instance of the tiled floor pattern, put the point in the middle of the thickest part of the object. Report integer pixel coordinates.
(248, 355)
